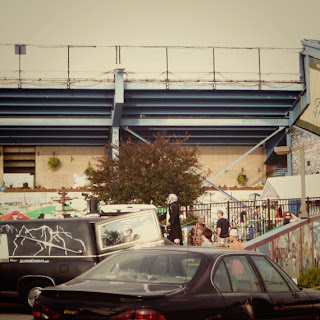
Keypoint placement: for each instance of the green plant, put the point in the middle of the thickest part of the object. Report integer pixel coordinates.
(89, 172)
(309, 278)
(53, 162)
(190, 220)
(145, 172)
(241, 179)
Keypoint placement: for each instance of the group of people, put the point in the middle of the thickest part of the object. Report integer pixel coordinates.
(3, 186)
(201, 235)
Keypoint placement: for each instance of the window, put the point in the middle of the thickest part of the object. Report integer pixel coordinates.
(152, 266)
(221, 279)
(243, 277)
(139, 228)
(274, 282)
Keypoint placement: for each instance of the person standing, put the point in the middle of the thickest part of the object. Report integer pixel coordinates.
(3, 186)
(207, 238)
(243, 224)
(173, 223)
(235, 243)
(199, 228)
(223, 228)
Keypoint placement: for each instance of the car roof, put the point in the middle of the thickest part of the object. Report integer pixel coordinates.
(214, 252)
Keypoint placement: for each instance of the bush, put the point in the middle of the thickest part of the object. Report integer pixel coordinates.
(190, 220)
(53, 162)
(241, 179)
(309, 278)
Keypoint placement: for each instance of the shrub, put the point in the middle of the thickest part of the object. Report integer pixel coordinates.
(53, 162)
(241, 179)
(89, 172)
(309, 278)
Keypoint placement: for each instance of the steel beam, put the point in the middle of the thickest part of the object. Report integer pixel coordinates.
(304, 99)
(55, 121)
(289, 155)
(311, 48)
(118, 98)
(273, 142)
(244, 155)
(192, 122)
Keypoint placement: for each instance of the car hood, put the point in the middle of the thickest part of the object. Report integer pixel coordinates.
(123, 288)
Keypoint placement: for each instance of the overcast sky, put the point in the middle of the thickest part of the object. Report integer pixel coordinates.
(269, 23)
(212, 23)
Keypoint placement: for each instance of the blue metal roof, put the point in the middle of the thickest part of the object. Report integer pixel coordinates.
(83, 116)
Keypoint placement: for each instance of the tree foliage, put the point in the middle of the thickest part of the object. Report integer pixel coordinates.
(147, 172)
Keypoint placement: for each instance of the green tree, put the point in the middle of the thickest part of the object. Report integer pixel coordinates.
(147, 172)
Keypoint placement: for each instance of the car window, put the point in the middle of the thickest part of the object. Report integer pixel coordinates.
(274, 282)
(221, 279)
(243, 278)
(157, 267)
(139, 228)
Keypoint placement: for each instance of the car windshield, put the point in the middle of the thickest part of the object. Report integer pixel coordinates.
(147, 266)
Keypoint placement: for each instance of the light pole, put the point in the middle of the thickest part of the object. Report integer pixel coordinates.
(285, 150)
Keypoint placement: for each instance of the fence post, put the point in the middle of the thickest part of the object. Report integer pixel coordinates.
(228, 210)
(167, 68)
(68, 79)
(308, 206)
(269, 220)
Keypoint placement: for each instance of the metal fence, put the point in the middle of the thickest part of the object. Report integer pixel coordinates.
(75, 65)
(261, 216)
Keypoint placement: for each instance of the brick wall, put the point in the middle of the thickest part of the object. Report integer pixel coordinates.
(74, 160)
(217, 158)
(312, 151)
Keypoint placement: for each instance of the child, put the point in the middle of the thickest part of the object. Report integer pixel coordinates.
(206, 238)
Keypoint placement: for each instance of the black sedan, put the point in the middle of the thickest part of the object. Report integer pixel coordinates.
(172, 283)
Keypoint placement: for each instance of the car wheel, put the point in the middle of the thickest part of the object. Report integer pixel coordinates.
(31, 290)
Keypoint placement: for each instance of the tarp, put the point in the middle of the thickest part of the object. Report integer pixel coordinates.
(289, 187)
(14, 215)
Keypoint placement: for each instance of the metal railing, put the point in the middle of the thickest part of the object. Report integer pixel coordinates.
(261, 216)
(72, 65)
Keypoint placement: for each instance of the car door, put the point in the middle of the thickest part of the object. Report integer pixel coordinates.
(289, 302)
(238, 283)
(4, 261)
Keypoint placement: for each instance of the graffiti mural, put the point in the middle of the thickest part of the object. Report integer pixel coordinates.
(43, 241)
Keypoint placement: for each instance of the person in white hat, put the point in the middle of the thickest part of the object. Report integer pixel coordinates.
(235, 243)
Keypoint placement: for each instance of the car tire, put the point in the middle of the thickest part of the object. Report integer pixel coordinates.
(31, 289)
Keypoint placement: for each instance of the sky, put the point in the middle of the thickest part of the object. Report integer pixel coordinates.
(270, 23)
(213, 23)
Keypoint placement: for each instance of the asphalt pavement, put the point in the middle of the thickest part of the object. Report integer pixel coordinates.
(12, 309)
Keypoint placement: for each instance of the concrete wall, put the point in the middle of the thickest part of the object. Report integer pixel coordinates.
(312, 151)
(217, 158)
(74, 160)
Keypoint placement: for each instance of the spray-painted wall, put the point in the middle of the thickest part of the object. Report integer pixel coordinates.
(295, 246)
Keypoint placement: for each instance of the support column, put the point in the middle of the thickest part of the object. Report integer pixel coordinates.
(1, 163)
(289, 155)
(116, 112)
(115, 142)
